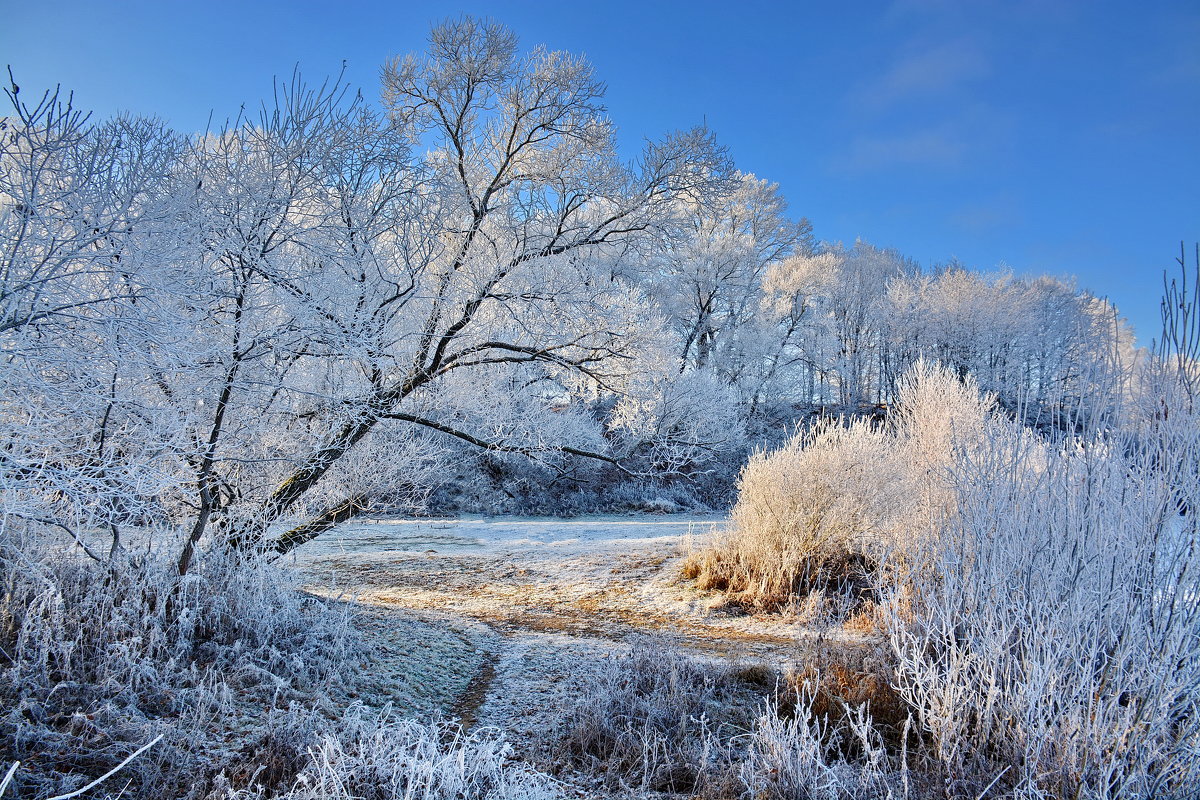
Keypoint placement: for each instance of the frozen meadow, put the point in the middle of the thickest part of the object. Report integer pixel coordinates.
(602, 578)
(508, 534)
(935, 533)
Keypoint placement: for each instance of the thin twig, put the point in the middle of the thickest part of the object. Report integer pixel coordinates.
(111, 772)
(993, 783)
(8, 776)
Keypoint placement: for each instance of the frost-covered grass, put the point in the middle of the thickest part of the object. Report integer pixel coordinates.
(229, 664)
(659, 720)
(804, 756)
(244, 685)
(655, 720)
(474, 534)
(379, 756)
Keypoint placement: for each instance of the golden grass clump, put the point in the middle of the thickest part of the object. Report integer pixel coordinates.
(815, 519)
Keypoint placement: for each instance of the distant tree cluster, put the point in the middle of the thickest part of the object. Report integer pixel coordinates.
(837, 326)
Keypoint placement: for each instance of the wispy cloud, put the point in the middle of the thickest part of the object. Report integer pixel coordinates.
(963, 138)
(986, 216)
(941, 148)
(927, 73)
(920, 105)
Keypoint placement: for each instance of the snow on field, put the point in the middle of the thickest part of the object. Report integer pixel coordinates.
(595, 576)
(556, 596)
(491, 534)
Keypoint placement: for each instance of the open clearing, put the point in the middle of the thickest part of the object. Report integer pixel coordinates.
(524, 608)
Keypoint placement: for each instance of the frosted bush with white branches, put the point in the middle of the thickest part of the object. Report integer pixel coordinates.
(1054, 634)
(97, 658)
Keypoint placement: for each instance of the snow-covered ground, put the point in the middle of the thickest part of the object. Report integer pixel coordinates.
(478, 534)
(603, 576)
(546, 599)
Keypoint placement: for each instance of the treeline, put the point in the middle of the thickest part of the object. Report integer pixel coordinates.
(464, 301)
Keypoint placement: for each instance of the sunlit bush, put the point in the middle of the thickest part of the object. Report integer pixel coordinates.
(818, 516)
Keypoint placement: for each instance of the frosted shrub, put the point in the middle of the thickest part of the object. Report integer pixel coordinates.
(801, 756)
(659, 720)
(1039, 596)
(803, 518)
(1055, 646)
(820, 514)
(654, 720)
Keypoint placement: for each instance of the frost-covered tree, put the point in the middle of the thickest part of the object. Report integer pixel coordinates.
(76, 451)
(832, 305)
(303, 286)
(523, 202)
(793, 299)
(1041, 345)
(709, 282)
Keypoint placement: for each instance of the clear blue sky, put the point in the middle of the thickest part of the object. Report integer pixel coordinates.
(1057, 137)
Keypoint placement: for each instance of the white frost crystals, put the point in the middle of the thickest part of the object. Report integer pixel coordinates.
(223, 334)
(378, 756)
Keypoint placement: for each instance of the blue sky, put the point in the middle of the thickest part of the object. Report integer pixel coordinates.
(1048, 137)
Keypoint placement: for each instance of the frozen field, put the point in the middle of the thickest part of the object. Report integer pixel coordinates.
(489, 535)
(537, 602)
(604, 576)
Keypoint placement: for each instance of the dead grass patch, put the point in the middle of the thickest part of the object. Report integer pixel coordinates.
(655, 720)
(844, 678)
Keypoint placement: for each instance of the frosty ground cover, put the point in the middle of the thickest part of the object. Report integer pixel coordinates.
(606, 577)
(538, 603)
(484, 534)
